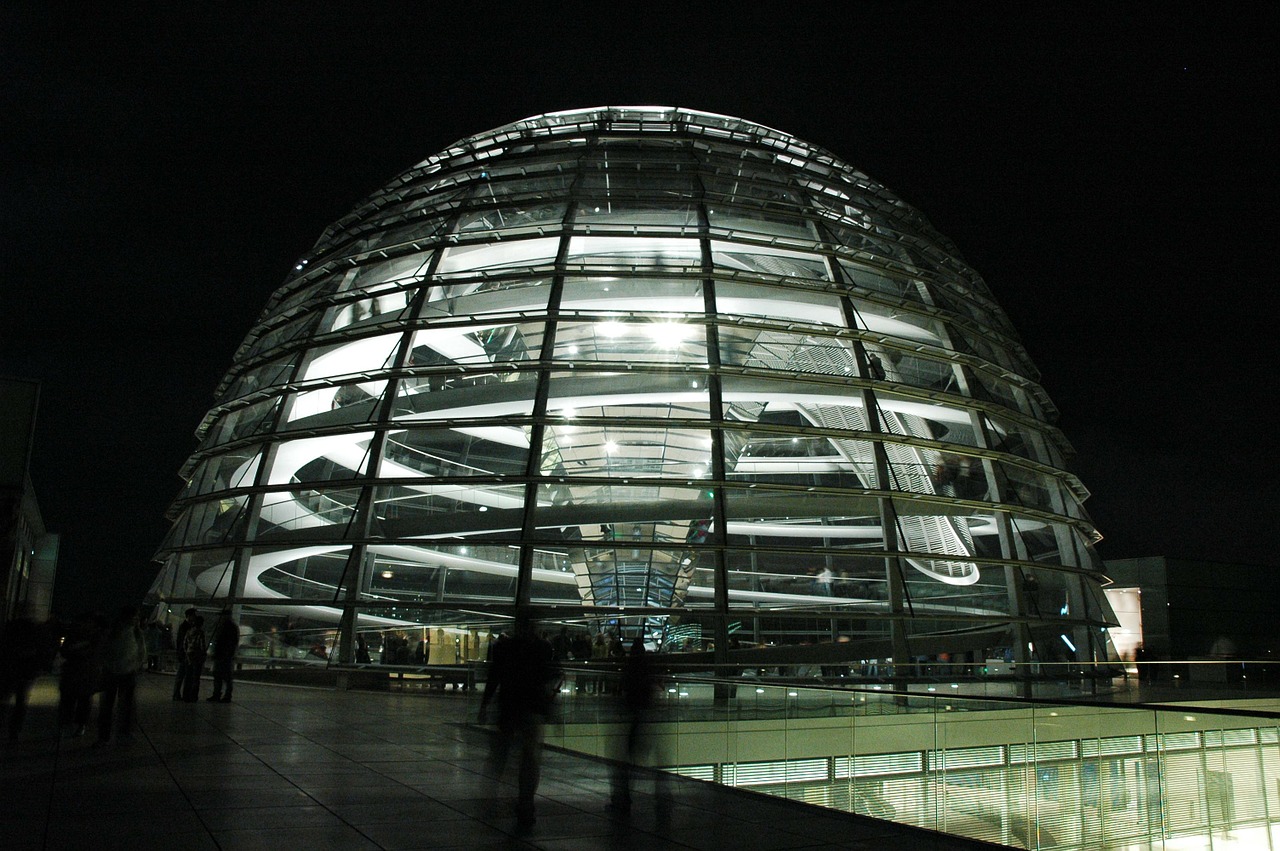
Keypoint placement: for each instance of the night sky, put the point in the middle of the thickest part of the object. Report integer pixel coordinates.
(1110, 170)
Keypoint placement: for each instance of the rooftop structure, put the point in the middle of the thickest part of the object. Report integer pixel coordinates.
(646, 368)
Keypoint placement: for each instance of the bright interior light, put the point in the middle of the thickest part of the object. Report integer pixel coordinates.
(668, 334)
(611, 329)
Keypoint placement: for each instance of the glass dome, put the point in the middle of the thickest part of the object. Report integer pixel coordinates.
(642, 368)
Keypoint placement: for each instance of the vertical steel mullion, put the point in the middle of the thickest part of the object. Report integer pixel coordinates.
(895, 578)
(359, 564)
(718, 533)
(542, 392)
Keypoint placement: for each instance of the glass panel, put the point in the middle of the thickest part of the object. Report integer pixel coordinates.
(258, 378)
(242, 422)
(633, 576)
(467, 345)
(750, 185)
(660, 340)
(916, 371)
(987, 596)
(305, 576)
(998, 390)
(619, 450)
(879, 282)
(1008, 436)
(238, 469)
(541, 186)
(815, 308)
(445, 573)
(320, 459)
(217, 521)
(478, 298)
(898, 323)
(317, 513)
(632, 294)
(366, 311)
(373, 277)
(294, 329)
(357, 356)
(731, 221)
(446, 394)
(969, 341)
(758, 577)
(193, 574)
(522, 253)
(729, 257)
(1028, 488)
(405, 229)
(520, 218)
(799, 459)
(344, 403)
(604, 214)
(786, 351)
(638, 253)
(627, 396)
(439, 452)
(449, 509)
(931, 420)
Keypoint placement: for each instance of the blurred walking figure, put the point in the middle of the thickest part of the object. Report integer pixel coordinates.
(155, 644)
(524, 680)
(25, 650)
(179, 646)
(195, 647)
(639, 691)
(124, 655)
(226, 639)
(81, 671)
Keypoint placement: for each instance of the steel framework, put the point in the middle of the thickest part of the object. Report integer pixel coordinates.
(651, 366)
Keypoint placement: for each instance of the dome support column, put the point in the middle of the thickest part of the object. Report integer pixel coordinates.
(888, 514)
(718, 535)
(541, 393)
(357, 571)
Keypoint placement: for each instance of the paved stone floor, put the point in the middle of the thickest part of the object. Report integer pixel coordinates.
(287, 768)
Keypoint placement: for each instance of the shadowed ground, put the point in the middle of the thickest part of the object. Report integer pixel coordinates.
(287, 767)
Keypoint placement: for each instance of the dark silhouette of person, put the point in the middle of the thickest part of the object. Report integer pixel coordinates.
(362, 651)
(226, 640)
(1141, 658)
(180, 678)
(155, 644)
(25, 650)
(81, 671)
(124, 655)
(524, 680)
(638, 690)
(195, 647)
(561, 646)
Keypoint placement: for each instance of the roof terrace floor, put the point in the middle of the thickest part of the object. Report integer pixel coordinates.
(289, 767)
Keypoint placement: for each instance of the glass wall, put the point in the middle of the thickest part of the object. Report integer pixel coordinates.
(1035, 775)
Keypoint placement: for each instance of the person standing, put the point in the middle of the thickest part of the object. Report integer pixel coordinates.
(639, 690)
(24, 652)
(81, 674)
(195, 647)
(124, 655)
(155, 637)
(226, 639)
(524, 680)
(180, 678)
